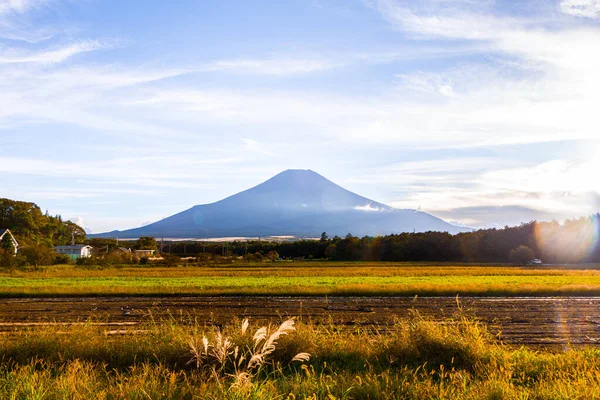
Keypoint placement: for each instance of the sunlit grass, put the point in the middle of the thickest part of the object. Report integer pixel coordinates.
(417, 358)
(377, 279)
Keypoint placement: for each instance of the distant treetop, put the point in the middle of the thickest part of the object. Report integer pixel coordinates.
(30, 225)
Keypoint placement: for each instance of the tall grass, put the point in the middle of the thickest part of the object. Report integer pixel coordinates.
(240, 361)
(418, 358)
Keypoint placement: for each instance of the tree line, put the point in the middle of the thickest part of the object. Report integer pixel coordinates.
(574, 241)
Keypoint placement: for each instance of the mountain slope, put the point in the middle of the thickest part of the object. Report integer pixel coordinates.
(294, 202)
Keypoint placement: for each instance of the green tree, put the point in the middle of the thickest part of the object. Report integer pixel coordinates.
(324, 237)
(521, 255)
(73, 233)
(145, 243)
(171, 260)
(7, 251)
(37, 255)
(27, 222)
(272, 255)
(7, 259)
(7, 244)
(330, 251)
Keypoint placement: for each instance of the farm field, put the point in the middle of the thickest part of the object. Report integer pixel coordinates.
(373, 330)
(531, 306)
(304, 279)
(555, 323)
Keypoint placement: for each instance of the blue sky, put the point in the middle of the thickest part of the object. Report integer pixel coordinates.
(118, 113)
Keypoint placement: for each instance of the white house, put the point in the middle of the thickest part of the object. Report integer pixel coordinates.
(75, 251)
(144, 253)
(5, 231)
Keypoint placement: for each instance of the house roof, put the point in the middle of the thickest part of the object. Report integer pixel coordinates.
(4, 230)
(73, 247)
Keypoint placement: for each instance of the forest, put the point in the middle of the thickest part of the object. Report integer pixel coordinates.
(32, 227)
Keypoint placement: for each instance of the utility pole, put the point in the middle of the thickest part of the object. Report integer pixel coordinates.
(205, 238)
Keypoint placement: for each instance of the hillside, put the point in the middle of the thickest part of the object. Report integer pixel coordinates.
(29, 225)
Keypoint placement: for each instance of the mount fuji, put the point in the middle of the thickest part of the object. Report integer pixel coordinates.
(298, 203)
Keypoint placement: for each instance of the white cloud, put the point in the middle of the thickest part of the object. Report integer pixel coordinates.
(560, 188)
(19, 6)
(581, 8)
(15, 23)
(79, 221)
(133, 172)
(272, 67)
(557, 175)
(256, 147)
(368, 208)
(51, 56)
(536, 85)
(51, 193)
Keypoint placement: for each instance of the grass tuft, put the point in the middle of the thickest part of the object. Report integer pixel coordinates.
(225, 358)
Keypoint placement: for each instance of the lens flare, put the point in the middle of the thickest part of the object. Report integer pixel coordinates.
(572, 242)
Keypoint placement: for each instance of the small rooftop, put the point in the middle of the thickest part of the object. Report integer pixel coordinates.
(72, 247)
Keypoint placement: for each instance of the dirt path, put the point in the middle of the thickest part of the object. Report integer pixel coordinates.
(548, 322)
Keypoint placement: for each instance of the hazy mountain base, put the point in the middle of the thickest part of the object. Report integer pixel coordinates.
(451, 359)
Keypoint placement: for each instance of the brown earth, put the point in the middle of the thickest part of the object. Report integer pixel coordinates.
(551, 322)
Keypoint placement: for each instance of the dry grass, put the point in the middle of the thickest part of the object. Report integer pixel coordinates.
(454, 358)
(241, 362)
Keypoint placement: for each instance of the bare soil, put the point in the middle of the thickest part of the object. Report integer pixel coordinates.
(551, 322)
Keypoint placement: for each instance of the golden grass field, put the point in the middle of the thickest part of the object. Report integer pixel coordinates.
(453, 358)
(416, 357)
(314, 278)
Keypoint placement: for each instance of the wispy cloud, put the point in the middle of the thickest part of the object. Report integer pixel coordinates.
(529, 89)
(15, 24)
(56, 55)
(254, 146)
(130, 172)
(559, 188)
(20, 6)
(581, 8)
(272, 67)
